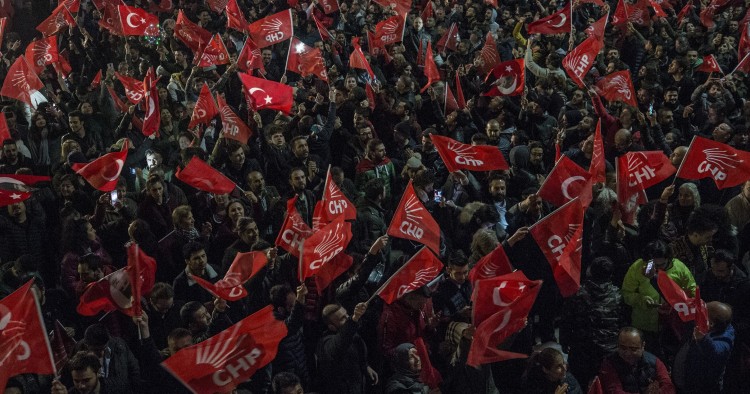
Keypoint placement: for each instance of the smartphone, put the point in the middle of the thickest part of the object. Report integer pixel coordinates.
(114, 196)
(650, 268)
(651, 109)
(438, 196)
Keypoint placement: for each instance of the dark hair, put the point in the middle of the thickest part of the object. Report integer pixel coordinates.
(295, 169)
(178, 333)
(295, 139)
(274, 129)
(699, 221)
(657, 249)
(373, 143)
(96, 335)
(74, 238)
(279, 294)
(161, 291)
(601, 269)
(480, 139)
(423, 178)
(726, 256)
(84, 360)
(25, 263)
(93, 261)
(192, 247)
(458, 258)
(374, 188)
(188, 310)
(76, 114)
(631, 330)
(284, 380)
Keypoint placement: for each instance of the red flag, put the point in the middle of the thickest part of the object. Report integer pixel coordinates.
(428, 375)
(357, 59)
(559, 237)
(312, 63)
(598, 28)
(658, 11)
(509, 79)
(190, 34)
(335, 203)
(579, 61)
(62, 345)
(322, 30)
(450, 39)
(701, 313)
(138, 22)
(152, 117)
(231, 125)
(220, 363)
(598, 166)
(558, 22)
(370, 96)
(706, 158)
(430, 68)
(163, 6)
(21, 82)
(427, 11)
(142, 275)
(9, 197)
(494, 264)
(450, 104)
(198, 174)
(504, 304)
(294, 230)
(205, 108)
(323, 245)
(743, 47)
(103, 172)
(329, 6)
(119, 104)
(296, 48)
(235, 18)
(135, 90)
(216, 5)
(618, 86)
(265, 94)
(402, 7)
(707, 14)
(683, 304)
(566, 181)
(214, 53)
(58, 20)
(637, 171)
(97, 81)
(620, 17)
(743, 65)
(460, 101)
(422, 268)
(684, 11)
(272, 29)
(24, 346)
(111, 18)
(412, 221)
(250, 58)
(709, 65)
(490, 56)
(244, 266)
(4, 130)
(72, 5)
(596, 387)
(41, 53)
(638, 13)
(390, 30)
(329, 272)
(458, 156)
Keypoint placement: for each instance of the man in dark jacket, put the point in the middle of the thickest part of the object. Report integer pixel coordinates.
(119, 367)
(632, 369)
(290, 309)
(342, 354)
(371, 220)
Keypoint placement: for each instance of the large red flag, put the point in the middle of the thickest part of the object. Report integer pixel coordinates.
(706, 158)
(24, 346)
(598, 28)
(683, 304)
(430, 68)
(579, 61)
(412, 221)
(323, 245)
(152, 116)
(141, 273)
(450, 39)
(214, 53)
(329, 272)
(566, 181)
(42, 52)
(244, 266)
(357, 59)
(57, 21)
(422, 268)
(508, 79)
(135, 90)
(265, 94)
(637, 171)
(231, 125)
(390, 30)
(458, 156)
(557, 23)
(294, 231)
(198, 174)
(334, 203)
(296, 48)
(638, 13)
(21, 82)
(190, 34)
(620, 17)
(559, 237)
(235, 18)
(494, 264)
(137, 21)
(489, 55)
(618, 86)
(598, 166)
(220, 363)
(322, 30)
(312, 63)
(205, 108)
(709, 65)
(250, 58)
(103, 172)
(272, 29)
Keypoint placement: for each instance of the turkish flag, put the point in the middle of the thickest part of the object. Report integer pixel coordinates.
(323, 245)
(235, 18)
(198, 174)
(220, 363)
(42, 52)
(119, 104)
(103, 172)
(21, 82)
(636, 172)
(494, 264)
(422, 268)
(566, 181)
(205, 108)
(598, 166)
(402, 7)
(111, 18)
(138, 22)
(152, 117)
(294, 230)
(684, 11)
(390, 31)
(216, 5)
(24, 346)
(135, 90)
(458, 156)
(509, 79)
(559, 237)
(357, 59)
(501, 307)
(250, 58)
(72, 5)
(322, 30)
(141, 271)
(335, 203)
(683, 304)
(214, 53)
(231, 125)
(62, 346)
(21, 182)
(728, 167)
(190, 34)
(579, 61)
(638, 13)
(618, 86)
(707, 14)
(60, 19)
(450, 39)
(329, 6)
(296, 48)
(709, 65)
(430, 68)
(312, 63)
(460, 101)
(266, 94)
(272, 29)
(598, 28)
(658, 11)
(230, 288)
(490, 56)
(412, 221)
(620, 17)
(557, 23)
(596, 387)
(9, 197)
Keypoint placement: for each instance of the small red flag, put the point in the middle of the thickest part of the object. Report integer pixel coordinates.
(216, 5)
(618, 86)
(244, 266)
(676, 296)
(60, 19)
(4, 130)
(142, 275)
(509, 79)
(97, 81)
(329, 6)
(21, 82)
(3, 23)
(620, 17)
(598, 166)
(489, 55)
(412, 221)
(460, 101)
(190, 34)
(152, 117)
(706, 158)
(72, 5)
(707, 14)
(335, 203)
(312, 63)
(329, 272)
(9, 197)
(264, 94)
(430, 68)
(684, 11)
(636, 172)
(638, 13)
(272, 29)
(296, 48)
(357, 59)
(596, 387)
(402, 7)
(658, 11)
(458, 156)
(322, 30)
(323, 245)
(294, 230)
(135, 90)
(422, 268)
(250, 58)
(231, 125)
(235, 18)
(62, 345)
(42, 52)
(450, 39)
(111, 18)
(743, 65)
(558, 22)
(104, 172)
(450, 104)
(390, 30)
(579, 61)
(566, 181)
(119, 104)
(494, 264)
(214, 54)
(137, 21)
(743, 48)
(710, 65)
(198, 174)
(427, 11)
(598, 28)
(428, 375)
(205, 108)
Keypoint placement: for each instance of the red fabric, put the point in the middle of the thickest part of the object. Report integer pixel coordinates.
(596, 387)
(198, 174)
(312, 63)
(458, 156)
(214, 53)
(111, 18)
(638, 13)
(709, 65)
(598, 28)
(322, 30)
(296, 48)
(21, 180)
(242, 349)
(430, 68)
(119, 104)
(329, 272)
(556, 23)
(743, 48)
(636, 172)
(497, 291)
(618, 86)
(97, 81)
(490, 56)
(402, 7)
(21, 81)
(231, 125)
(217, 5)
(682, 303)
(427, 12)
(72, 5)
(24, 347)
(684, 11)
(390, 31)
(264, 94)
(612, 385)
(294, 230)
(4, 130)
(706, 158)
(235, 18)
(579, 61)
(190, 34)
(205, 108)
(329, 6)
(250, 58)
(598, 166)
(3, 23)
(142, 275)
(152, 118)
(335, 202)
(244, 266)
(272, 29)
(163, 6)
(559, 238)
(138, 22)
(42, 52)
(620, 17)
(566, 181)
(658, 11)
(701, 313)
(450, 39)
(428, 375)
(62, 345)
(743, 65)
(103, 172)
(503, 73)
(323, 245)
(8, 197)
(134, 89)
(450, 104)
(417, 272)
(411, 220)
(60, 19)
(460, 100)
(357, 59)
(370, 96)
(707, 13)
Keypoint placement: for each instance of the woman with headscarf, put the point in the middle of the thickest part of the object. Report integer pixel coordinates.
(407, 366)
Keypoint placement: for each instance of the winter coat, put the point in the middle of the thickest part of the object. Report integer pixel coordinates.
(342, 361)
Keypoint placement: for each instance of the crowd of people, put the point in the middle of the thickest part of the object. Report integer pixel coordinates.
(375, 136)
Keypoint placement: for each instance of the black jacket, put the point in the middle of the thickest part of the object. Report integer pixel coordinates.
(342, 361)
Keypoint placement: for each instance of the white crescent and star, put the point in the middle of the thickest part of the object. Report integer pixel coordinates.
(120, 163)
(268, 99)
(511, 88)
(563, 19)
(566, 184)
(130, 23)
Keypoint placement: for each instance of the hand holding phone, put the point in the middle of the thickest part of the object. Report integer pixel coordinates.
(438, 196)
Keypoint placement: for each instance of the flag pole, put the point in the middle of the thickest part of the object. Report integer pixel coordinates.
(388, 281)
(676, 174)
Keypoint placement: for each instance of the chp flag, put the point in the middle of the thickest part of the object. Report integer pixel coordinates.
(458, 156)
(272, 29)
(413, 221)
(323, 246)
(220, 363)
(420, 270)
(333, 204)
(636, 172)
(728, 167)
(294, 231)
(230, 288)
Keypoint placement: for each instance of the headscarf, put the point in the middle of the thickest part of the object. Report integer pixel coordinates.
(404, 379)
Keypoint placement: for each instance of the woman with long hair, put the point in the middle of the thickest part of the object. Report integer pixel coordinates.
(78, 239)
(44, 141)
(547, 373)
